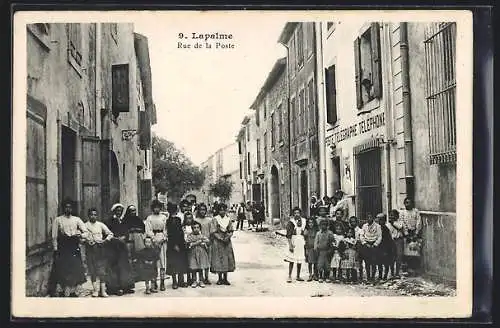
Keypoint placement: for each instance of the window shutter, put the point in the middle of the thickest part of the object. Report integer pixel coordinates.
(120, 89)
(144, 130)
(331, 95)
(376, 65)
(357, 67)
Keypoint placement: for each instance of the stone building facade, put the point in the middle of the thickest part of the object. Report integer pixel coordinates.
(390, 127)
(87, 136)
(299, 40)
(271, 111)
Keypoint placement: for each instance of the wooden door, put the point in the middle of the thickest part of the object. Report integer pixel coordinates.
(105, 169)
(369, 182)
(91, 175)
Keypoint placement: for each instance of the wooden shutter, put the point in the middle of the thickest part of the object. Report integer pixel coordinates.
(145, 130)
(105, 166)
(120, 88)
(91, 175)
(357, 67)
(331, 95)
(376, 64)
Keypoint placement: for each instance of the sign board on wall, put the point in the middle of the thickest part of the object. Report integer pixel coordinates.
(366, 125)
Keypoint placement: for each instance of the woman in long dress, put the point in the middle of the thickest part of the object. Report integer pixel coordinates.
(136, 234)
(177, 262)
(222, 258)
(296, 243)
(412, 229)
(206, 230)
(156, 229)
(120, 278)
(67, 232)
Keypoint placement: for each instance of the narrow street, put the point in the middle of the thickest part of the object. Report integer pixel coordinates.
(261, 271)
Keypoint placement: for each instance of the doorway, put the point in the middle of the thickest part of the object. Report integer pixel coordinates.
(369, 182)
(275, 194)
(304, 188)
(336, 177)
(114, 183)
(68, 163)
(256, 192)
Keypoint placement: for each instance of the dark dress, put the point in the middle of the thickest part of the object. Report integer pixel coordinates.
(387, 246)
(120, 275)
(147, 260)
(177, 261)
(69, 269)
(136, 233)
(222, 254)
(311, 253)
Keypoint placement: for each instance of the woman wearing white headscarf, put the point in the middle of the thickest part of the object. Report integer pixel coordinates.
(120, 279)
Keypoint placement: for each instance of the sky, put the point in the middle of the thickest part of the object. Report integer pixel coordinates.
(202, 95)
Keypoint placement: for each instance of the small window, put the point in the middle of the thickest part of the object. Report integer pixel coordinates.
(248, 133)
(280, 122)
(257, 117)
(248, 163)
(114, 32)
(273, 132)
(75, 46)
(368, 66)
(312, 106)
(120, 88)
(265, 147)
(265, 109)
(258, 153)
(331, 95)
(293, 118)
(300, 45)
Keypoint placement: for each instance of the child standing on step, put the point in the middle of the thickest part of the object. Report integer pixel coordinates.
(148, 269)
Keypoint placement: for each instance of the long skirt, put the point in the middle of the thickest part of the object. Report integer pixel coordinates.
(336, 259)
(177, 261)
(69, 270)
(399, 248)
(97, 261)
(147, 271)
(198, 258)
(135, 245)
(350, 261)
(222, 259)
(298, 255)
(120, 275)
(371, 255)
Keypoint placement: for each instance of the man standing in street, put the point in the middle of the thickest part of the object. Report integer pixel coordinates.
(240, 215)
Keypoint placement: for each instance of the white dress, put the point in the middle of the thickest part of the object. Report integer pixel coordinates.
(298, 255)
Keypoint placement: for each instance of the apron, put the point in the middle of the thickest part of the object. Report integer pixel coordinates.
(298, 255)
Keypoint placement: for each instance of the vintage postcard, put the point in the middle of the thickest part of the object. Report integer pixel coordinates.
(232, 164)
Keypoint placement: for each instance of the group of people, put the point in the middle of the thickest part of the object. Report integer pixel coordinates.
(254, 212)
(184, 243)
(343, 248)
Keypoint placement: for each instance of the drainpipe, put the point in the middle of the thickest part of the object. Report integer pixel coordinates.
(407, 127)
(288, 125)
(98, 105)
(320, 101)
(388, 90)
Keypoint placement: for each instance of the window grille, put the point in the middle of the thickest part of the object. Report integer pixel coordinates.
(440, 54)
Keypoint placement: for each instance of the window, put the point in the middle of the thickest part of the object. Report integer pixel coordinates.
(265, 147)
(293, 57)
(440, 54)
(239, 147)
(75, 46)
(257, 117)
(114, 32)
(331, 95)
(368, 67)
(258, 153)
(265, 108)
(241, 171)
(312, 106)
(301, 119)
(248, 163)
(273, 133)
(120, 89)
(329, 25)
(293, 118)
(310, 39)
(300, 45)
(280, 122)
(248, 133)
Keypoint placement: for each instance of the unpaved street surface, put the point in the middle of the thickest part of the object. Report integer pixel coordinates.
(261, 271)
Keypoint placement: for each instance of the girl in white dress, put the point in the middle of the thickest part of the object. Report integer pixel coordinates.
(296, 243)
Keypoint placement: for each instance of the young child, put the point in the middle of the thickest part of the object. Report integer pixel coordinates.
(387, 249)
(96, 257)
(311, 255)
(371, 238)
(338, 249)
(222, 254)
(148, 264)
(323, 246)
(187, 228)
(395, 226)
(349, 263)
(358, 235)
(197, 245)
